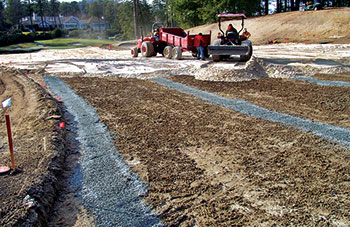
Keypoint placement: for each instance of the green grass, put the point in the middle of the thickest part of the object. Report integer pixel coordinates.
(62, 43)
(73, 43)
(19, 49)
(21, 45)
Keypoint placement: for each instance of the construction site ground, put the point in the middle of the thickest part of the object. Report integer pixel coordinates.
(204, 164)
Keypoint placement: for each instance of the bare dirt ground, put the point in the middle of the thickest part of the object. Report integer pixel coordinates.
(297, 98)
(205, 165)
(38, 146)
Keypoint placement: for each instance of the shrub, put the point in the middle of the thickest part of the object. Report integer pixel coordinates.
(112, 32)
(43, 36)
(57, 33)
(75, 33)
(87, 34)
(14, 38)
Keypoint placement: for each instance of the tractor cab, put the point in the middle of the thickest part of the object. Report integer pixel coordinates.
(231, 35)
(156, 27)
(231, 42)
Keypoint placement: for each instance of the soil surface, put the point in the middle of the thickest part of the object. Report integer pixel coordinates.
(207, 165)
(204, 164)
(27, 192)
(302, 99)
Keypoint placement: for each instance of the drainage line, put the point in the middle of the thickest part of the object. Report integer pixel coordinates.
(324, 82)
(337, 134)
(108, 188)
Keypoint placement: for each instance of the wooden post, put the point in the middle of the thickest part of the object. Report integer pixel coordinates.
(9, 134)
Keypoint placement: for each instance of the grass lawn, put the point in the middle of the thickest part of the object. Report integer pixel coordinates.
(72, 43)
(61, 43)
(20, 48)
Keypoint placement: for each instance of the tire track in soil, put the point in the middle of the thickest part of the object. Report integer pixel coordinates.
(109, 190)
(326, 131)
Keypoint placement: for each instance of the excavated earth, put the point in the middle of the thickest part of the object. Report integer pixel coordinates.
(207, 165)
(203, 164)
(28, 191)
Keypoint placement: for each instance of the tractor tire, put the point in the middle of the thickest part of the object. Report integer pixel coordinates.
(167, 52)
(147, 49)
(245, 58)
(177, 53)
(215, 57)
(134, 52)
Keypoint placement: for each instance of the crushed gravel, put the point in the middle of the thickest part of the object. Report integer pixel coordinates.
(108, 189)
(324, 82)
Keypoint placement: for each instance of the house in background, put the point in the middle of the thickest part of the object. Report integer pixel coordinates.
(69, 23)
(46, 22)
(94, 23)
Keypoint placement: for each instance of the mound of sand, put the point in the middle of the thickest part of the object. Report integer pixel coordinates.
(231, 71)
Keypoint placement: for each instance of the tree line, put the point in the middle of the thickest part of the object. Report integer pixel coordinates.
(130, 18)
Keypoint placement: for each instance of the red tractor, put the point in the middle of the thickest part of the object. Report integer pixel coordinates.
(170, 42)
(231, 43)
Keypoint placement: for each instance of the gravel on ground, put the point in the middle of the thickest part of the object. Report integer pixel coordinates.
(109, 191)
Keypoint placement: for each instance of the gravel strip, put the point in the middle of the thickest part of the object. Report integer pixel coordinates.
(324, 82)
(108, 188)
(330, 132)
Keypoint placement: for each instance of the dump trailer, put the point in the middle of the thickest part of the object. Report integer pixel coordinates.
(232, 42)
(170, 42)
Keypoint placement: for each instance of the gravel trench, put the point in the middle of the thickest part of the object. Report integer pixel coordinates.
(104, 183)
(324, 82)
(330, 132)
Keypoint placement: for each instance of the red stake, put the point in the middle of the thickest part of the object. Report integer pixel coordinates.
(9, 134)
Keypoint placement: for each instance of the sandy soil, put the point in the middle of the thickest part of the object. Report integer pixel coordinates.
(277, 61)
(324, 26)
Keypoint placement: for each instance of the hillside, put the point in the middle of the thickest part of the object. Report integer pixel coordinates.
(324, 26)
